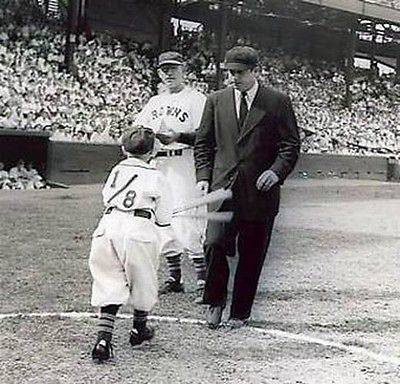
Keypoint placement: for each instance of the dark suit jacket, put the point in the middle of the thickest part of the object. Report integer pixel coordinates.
(228, 156)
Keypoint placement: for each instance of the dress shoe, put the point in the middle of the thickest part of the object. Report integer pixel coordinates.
(214, 316)
(233, 323)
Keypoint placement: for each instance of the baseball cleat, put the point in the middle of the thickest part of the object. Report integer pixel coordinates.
(200, 285)
(102, 352)
(172, 285)
(199, 300)
(137, 338)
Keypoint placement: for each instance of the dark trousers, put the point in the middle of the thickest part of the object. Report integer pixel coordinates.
(253, 239)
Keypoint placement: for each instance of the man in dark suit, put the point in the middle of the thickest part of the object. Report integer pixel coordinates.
(248, 141)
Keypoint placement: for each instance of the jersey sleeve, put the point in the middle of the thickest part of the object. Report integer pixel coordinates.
(163, 210)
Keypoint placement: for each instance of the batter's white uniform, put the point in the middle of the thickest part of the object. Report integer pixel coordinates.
(125, 250)
(181, 113)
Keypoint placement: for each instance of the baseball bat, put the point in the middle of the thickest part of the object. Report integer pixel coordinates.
(212, 197)
(212, 216)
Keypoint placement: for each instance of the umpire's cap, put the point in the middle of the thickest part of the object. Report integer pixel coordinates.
(240, 58)
(138, 140)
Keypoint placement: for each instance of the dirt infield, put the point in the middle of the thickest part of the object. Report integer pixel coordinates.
(333, 274)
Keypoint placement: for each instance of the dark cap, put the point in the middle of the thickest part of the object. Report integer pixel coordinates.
(138, 140)
(241, 57)
(170, 57)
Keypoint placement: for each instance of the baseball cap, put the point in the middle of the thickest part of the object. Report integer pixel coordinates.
(170, 57)
(241, 57)
(138, 140)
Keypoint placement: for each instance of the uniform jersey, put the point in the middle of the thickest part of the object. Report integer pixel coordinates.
(134, 184)
(33, 174)
(178, 112)
(3, 175)
(16, 173)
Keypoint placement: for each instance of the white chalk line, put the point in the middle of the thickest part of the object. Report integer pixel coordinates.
(382, 358)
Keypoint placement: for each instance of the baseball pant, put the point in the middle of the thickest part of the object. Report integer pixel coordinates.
(187, 234)
(123, 261)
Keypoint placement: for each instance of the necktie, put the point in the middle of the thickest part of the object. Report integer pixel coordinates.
(243, 109)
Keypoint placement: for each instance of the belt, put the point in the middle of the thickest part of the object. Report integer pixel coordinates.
(136, 212)
(170, 152)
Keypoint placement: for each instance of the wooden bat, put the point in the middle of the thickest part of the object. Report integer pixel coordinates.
(212, 216)
(212, 197)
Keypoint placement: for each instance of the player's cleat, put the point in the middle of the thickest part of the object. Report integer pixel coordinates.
(138, 337)
(199, 300)
(172, 285)
(102, 352)
(200, 285)
(214, 316)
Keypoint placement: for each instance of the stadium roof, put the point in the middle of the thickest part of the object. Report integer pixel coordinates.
(388, 10)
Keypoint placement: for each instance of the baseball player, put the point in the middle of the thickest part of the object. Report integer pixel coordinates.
(5, 182)
(174, 115)
(35, 181)
(18, 175)
(124, 255)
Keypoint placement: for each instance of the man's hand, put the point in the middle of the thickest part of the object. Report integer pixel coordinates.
(167, 138)
(203, 186)
(166, 135)
(267, 180)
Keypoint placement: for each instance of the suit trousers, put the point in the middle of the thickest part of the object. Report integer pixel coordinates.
(253, 239)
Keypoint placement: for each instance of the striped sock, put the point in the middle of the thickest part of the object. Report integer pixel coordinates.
(139, 319)
(199, 266)
(174, 266)
(106, 322)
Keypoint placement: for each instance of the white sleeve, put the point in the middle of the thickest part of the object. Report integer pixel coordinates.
(198, 107)
(163, 209)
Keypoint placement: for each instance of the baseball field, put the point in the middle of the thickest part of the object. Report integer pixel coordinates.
(327, 311)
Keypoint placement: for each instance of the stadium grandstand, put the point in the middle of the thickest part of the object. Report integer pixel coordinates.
(66, 71)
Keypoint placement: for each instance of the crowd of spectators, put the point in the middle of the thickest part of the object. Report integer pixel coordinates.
(317, 90)
(112, 80)
(110, 84)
